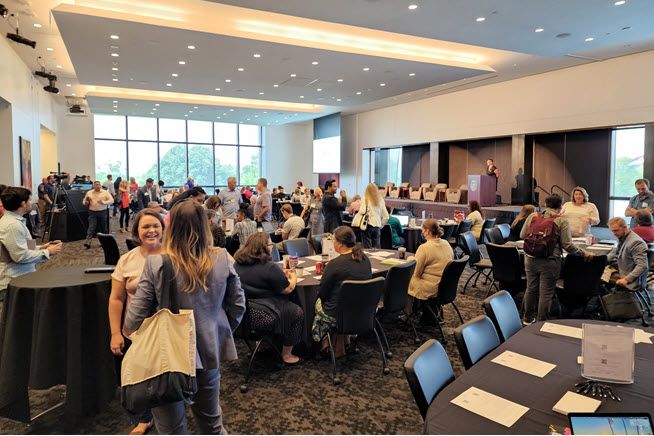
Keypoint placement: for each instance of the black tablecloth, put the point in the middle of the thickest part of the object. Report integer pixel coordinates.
(538, 394)
(55, 330)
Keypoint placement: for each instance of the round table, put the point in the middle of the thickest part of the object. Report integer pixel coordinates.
(55, 330)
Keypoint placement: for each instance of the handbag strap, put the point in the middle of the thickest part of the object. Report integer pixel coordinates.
(169, 291)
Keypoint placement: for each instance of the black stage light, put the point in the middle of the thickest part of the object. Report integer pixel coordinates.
(16, 37)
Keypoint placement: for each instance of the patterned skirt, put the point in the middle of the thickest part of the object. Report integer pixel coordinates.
(322, 323)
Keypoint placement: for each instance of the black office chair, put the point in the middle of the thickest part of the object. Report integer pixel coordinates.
(396, 293)
(448, 231)
(428, 370)
(489, 223)
(355, 315)
(275, 257)
(131, 244)
(494, 236)
(581, 280)
(110, 248)
(501, 309)
(505, 229)
(304, 233)
(297, 247)
(475, 339)
(507, 268)
(316, 242)
(386, 238)
(464, 226)
(476, 261)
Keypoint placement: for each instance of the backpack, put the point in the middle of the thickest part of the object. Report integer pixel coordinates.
(542, 236)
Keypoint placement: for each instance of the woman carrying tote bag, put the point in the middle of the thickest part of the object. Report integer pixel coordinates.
(371, 217)
(206, 283)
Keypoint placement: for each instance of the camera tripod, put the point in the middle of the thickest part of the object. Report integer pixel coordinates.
(55, 205)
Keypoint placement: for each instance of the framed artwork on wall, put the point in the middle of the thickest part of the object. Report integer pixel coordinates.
(25, 162)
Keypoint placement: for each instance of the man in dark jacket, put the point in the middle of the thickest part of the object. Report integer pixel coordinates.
(146, 194)
(331, 207)
(630, 256)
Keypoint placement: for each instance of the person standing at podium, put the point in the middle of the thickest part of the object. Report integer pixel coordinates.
(491, 170)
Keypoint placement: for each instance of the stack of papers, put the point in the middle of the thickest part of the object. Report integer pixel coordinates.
(490, 406)
(524, 364)
(391, 262)
(572, 402)
(315, 258)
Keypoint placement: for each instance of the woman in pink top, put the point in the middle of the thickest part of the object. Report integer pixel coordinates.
(147, 230)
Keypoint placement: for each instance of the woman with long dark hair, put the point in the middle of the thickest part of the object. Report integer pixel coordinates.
(207, 284)
(519, 221)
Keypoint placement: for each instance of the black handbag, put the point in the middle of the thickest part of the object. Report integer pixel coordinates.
(621, 306)
(168, 387)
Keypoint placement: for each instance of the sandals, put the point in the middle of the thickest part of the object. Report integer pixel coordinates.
(145, 427)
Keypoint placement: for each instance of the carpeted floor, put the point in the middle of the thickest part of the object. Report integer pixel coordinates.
(299, 400)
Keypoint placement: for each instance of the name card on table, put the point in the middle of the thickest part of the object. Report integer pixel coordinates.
(608, 353)
(490, 406)
(572, 402)
(316, 258)
(524, 364)
(563, 330)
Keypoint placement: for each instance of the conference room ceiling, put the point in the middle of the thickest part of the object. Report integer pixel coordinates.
(294, 77)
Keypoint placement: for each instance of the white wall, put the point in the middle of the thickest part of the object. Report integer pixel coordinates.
(48, 151)
(75, 143)
(288, 155)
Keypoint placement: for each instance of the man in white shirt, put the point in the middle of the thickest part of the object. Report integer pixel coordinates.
(231, 199)
(293, 225)
(97, 200)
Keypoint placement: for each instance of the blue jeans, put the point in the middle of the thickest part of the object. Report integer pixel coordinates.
(171, 418)
(97, 222)
(371, 237)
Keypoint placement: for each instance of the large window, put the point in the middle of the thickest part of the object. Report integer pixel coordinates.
(172, 150)
(388, 166)
(627, 157)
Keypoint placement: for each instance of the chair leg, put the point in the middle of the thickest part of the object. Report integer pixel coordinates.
(335, 379)
(457, 312)
(386, 370)
(438, 323)
(416, 338)
(244, 386)
(475, 274)
(389, 354)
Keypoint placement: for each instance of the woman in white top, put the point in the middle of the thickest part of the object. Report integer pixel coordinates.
(580, 213)
(374, 206)
(477, 218)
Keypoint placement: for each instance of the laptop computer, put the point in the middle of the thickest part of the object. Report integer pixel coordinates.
(267, 227)
(611, 423)
(403, 219)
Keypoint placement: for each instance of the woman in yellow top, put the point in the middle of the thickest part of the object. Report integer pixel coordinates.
(477, 218)
(580, 213)
(431, 259)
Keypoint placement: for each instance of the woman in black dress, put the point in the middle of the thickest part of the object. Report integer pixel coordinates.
(267, 288)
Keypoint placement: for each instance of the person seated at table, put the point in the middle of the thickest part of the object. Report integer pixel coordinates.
(431, 259)
(343, 198)
(219, 237)
(477, 218)
(293, 225)
(397, 232)
(351, 264)
(305, 196)
(297, 196)
(519, 221)
(19, 253)
(147, 232)
(580, 213)
(354, 206)
(644, 227)
(629, 256)
(245, 226)
(267, 288)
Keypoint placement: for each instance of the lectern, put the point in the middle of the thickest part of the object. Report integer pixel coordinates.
(481, 188)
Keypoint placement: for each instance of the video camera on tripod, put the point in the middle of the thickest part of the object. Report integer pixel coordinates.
(64, 201)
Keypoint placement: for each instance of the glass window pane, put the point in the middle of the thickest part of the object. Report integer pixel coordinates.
(628, 158)
(173, 164)
(225, 133)
(142, 128)
(109, 126)
(143, 161)
(226, 159)
(617, 208)
(250, 169)
(110, 158)
(249, 134)
(200, 131)
(172, 130)
(200, 160)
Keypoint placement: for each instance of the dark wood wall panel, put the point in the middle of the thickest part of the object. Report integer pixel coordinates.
(415, 164)
(458, 167)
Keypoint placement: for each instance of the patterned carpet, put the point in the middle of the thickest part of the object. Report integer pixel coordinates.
(299, 400)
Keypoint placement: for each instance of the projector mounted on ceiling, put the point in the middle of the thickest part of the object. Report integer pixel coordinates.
(76, 106)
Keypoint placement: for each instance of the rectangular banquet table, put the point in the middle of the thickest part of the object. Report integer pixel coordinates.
(538, 394)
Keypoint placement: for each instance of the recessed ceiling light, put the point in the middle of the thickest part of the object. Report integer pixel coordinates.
(156, 104)
(338, 99)
(256, 116)
(480, 19)
(154, 108)
(68, 85)
(339, 80)
(217, 117)
(182, 62)
(358, 92)
(114, 37)
(169, 84)
(382, 84)
(114, 79)
(186, 115)
(247, 119)
(114, 69)
(256, 55)
(314, 63)
(275, 86)
(413, 7)
(589, 39)
(195, 107)
(412, 74)
(318, 89)
(59, 66)
(73, 94)
(190, 112)
(228, 80)
(293, 75)
(261, 93)
(114, 109)
(366, 69)
(241, 69)
(231, 110)
(301, 96)
(620, 2)
(115, 101)
(217, 89)
(175, 75)
(50, 49)
(115, 55)
(191, 47)
(151, 113)
(265, 112)
(540, 29)
(224, 113)
(37, 25)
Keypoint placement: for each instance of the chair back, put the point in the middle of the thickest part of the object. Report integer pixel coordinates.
(110, 248)
(397, 286)
(494, 236)
(304, 233)
(468, 244)
(357, 305)
(581, 278)
(488, 224)
(448, 231)
(452, 195)
(386, 238)
(650, 256)
(275, 257)
(450, 280)
(464, 226)
(502, 310)
(505, 230)
(507, 268)
(316, 241)
(475, 339)
(428, 370)
(131, 244)
(297, 247)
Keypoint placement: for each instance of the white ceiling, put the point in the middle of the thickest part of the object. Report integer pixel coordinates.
(149, 54)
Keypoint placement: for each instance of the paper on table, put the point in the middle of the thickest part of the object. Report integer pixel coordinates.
(374, 270)
(641, 336)
(382, 253)
(490, 406)
(300, 279)
(310, 268)
(315, 258)
(574, 403)
(317, 277)
(563, 330)
(524, 364)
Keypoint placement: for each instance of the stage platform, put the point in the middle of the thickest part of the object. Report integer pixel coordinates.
(503, 214)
